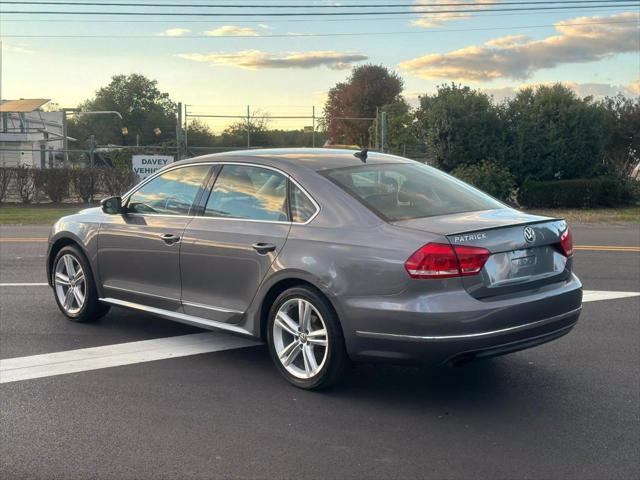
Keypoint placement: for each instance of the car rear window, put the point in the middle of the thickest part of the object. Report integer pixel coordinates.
(409, 190)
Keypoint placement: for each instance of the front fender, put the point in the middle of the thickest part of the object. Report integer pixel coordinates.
(80, 232)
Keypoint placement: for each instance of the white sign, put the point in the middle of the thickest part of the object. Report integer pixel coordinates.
(145, 165)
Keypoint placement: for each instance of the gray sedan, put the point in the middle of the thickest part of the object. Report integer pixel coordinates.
(327, 255)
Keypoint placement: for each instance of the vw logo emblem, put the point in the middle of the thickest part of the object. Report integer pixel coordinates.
(529, 234)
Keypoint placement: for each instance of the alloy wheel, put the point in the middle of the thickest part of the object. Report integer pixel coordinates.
(300, 338)
(70, 284)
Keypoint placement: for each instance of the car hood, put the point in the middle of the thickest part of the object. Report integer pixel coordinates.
(471, 221)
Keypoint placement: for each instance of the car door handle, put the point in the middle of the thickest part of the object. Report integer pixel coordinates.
(170, 238)
(263, 248)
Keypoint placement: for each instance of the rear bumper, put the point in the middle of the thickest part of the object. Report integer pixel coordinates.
(468, 330)
(457, 349)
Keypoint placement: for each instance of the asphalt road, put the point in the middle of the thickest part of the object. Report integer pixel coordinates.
(568, 409)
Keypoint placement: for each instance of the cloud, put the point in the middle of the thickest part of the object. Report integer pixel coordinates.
(508, 41)
(634, 87)
(596, 90)
(433, 20)
(20, 48)
(257, 59)
(232, 31)
(175, 32)
(575, 42)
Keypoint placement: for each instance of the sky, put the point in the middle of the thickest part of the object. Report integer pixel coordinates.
(285, 65)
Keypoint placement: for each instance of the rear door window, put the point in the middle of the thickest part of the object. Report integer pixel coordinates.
(302, 208)
(248, 192)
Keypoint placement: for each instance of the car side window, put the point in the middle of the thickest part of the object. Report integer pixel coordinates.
(248, 192)
(171, 193)
(302, 208)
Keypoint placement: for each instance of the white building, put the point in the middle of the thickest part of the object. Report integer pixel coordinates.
(28, 135)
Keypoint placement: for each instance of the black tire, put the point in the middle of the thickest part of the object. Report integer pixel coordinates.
(337, 361)
(92, 309)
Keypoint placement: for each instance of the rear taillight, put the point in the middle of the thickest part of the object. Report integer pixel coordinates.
(440, 260)
(566, 243)
(471, 259)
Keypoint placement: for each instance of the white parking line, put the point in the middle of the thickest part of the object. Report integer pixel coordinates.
(84, 359)
(596, 295)
(73, 361)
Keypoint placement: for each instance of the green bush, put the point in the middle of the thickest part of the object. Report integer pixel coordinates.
(86, 183)
(117, 181)
(54, 182)
(489, 177)
(605, 191)
(6, 176)
(24, 183)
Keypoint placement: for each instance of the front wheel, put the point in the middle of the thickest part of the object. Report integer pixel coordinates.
(305, 339)
(74, 287)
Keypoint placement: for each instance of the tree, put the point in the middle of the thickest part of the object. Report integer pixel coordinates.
(257, 124)
(400, 127)
(489, 177)
(622, 150)
(461, 126)
(143, 106)
(368, 87)
(200, 135)
(553, 134)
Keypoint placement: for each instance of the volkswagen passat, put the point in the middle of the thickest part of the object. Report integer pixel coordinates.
(328, 256)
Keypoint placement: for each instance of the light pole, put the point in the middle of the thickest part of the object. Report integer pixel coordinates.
(77, 111)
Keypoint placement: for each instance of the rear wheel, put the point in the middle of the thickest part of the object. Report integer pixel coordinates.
(74, 287)
(305, 339)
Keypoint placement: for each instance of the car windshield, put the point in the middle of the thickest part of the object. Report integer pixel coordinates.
(407, 191)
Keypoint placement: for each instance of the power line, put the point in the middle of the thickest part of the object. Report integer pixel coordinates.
(627, 3)
(337, 6)
(478, 13)
(345, 34)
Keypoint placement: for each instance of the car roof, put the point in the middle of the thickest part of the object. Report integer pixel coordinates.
(314, 158)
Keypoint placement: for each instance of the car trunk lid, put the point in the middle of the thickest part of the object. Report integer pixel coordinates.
(524, 248)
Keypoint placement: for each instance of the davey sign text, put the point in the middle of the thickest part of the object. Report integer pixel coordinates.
(145, 165)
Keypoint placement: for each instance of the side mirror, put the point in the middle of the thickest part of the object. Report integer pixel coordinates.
(112, 205)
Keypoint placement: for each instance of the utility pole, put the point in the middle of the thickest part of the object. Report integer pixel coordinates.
(377, 127)
(179, 132)
(186, 132)
(92, 150)
(43, 155)
(383, 131)
(248, 127)
(43, 149)
(313, 125)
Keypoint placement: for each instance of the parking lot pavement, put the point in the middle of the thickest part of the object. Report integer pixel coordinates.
(568, 409)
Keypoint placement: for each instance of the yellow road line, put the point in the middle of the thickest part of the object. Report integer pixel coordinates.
(594, 248)
(607, 248)
(22, 239)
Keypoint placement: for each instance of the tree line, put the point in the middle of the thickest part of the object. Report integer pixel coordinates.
(542, 134)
